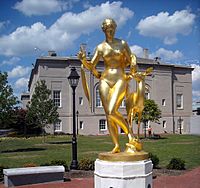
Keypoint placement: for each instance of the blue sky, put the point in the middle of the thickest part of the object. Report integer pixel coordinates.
(29, 28)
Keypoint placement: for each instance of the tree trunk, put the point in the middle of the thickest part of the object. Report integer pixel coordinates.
(145, 135)
(43, 131)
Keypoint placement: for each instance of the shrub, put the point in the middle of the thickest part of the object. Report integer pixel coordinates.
(154, 159)
(30, 165)
(12, 134)
(56, 162)
(59, 133)
(176, 164)
(86, 164)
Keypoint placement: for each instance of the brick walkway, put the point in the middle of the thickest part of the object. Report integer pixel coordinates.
(190, 179)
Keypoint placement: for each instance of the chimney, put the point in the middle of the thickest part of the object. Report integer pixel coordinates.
(52, 53)
(146, 53)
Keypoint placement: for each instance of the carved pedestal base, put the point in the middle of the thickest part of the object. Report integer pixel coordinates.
(112, 174)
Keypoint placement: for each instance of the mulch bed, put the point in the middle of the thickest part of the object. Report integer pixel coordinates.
(167, 172)
(156, 173)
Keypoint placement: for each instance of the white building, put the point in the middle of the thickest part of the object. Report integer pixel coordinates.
(170, 88)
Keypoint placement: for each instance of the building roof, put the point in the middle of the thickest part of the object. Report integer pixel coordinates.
(75, 58)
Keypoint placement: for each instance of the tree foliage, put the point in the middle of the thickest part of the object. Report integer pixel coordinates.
(21, 125)
(151, 112)
(7, 101)
(42, 110)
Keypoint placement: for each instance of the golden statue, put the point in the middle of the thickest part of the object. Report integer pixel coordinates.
(113, 85)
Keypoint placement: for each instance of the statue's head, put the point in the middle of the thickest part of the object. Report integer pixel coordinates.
(108, 22)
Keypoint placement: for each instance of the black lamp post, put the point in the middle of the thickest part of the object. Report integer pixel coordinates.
(180, 122)
(77, 113)
(73, 79)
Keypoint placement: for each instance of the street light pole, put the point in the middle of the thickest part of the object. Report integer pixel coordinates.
(73, 79)
(180, 124)
(77, 113)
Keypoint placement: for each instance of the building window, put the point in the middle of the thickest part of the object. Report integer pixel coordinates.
(164, 124)
(179, 101)
(98, 99)
(102, 125)
(58, 126)
(123, 104)
(147, 95)
(57, 98)
(81, 100)
(81, 124)
(163, 102)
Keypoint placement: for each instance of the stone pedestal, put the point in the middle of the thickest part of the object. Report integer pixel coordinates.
(136, 174)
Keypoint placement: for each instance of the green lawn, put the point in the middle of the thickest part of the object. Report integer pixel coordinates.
(15, 152)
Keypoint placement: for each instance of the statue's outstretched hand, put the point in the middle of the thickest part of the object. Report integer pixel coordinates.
(82, 55)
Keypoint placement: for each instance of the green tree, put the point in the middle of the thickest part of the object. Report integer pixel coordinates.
(41, 110)
(7, 102)
(22, 126)
(151, 113)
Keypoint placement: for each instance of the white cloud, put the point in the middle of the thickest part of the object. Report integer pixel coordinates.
(86, 4)
(167, 55)
(43, 7)
(3, 24)
(10, 61)
(196, 72)
(137, 50)
(196, 81)
(19, 71)
(63, 32)
(167, 26)
(21, 83)
(196, 95)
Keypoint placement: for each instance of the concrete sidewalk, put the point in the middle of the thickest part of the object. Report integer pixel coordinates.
(190, 179)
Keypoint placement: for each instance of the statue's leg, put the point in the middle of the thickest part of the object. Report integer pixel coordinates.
(131, 123)
(113, 130)
(116, 96)
(104, 89)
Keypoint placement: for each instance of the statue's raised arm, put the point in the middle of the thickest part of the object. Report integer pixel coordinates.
(89, 65)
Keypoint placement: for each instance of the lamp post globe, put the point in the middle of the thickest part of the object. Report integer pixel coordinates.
(73, 79)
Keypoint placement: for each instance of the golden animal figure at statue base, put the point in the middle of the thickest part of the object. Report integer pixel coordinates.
(134, 145)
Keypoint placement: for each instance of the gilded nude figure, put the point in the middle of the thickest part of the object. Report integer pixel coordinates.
(113, 81)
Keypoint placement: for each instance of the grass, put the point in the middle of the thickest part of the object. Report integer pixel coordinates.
(15, 152)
